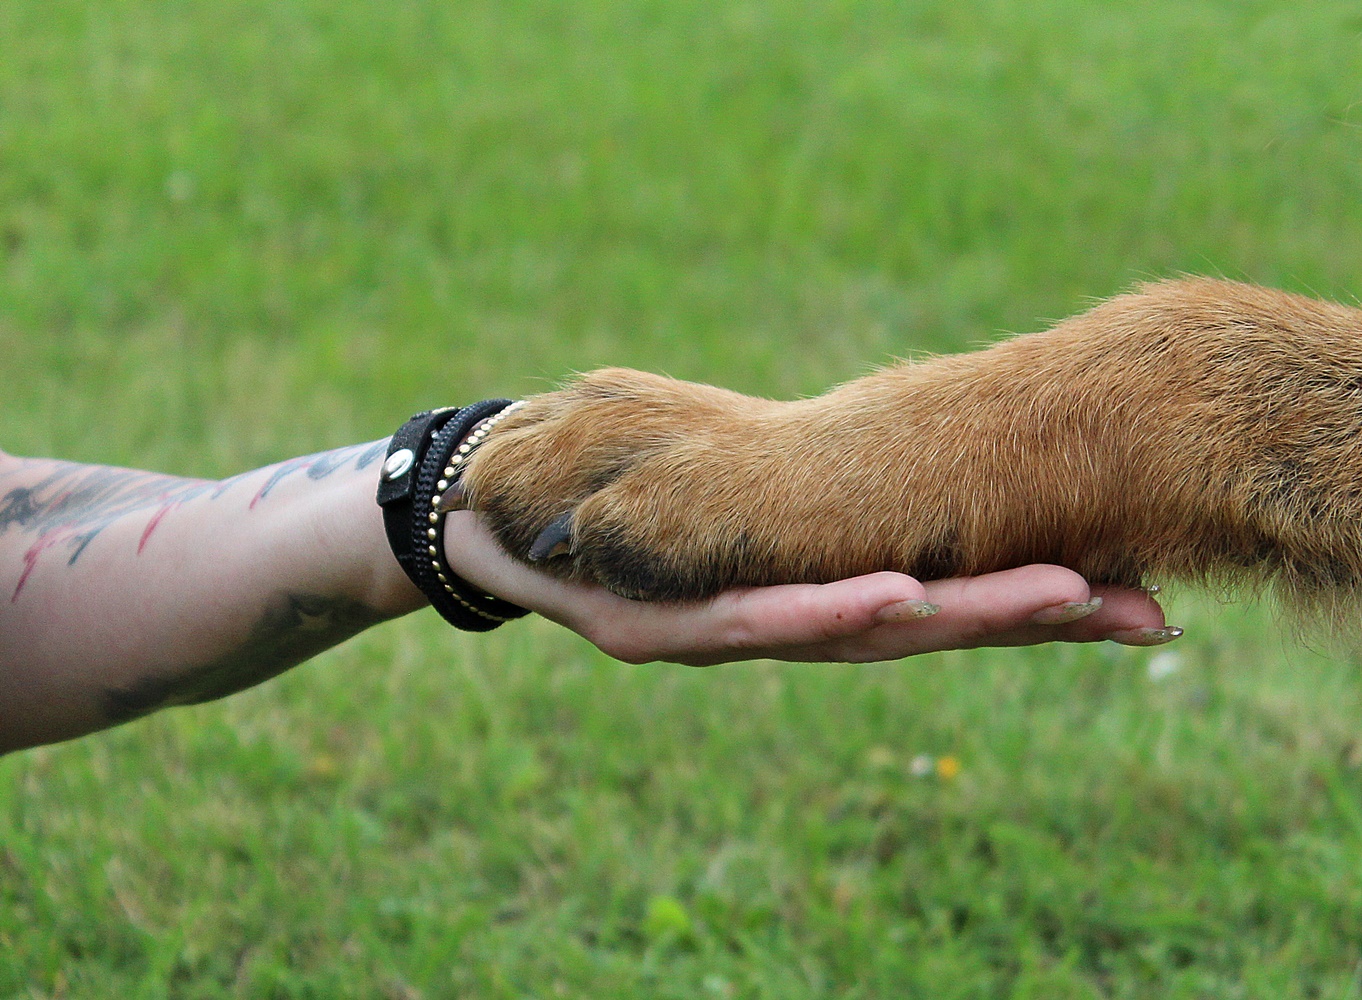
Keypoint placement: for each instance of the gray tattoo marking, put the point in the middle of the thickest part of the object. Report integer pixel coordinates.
(73, 504)
(295, 628)
(321, 465)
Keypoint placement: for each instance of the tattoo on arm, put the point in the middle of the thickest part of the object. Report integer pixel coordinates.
(321, 465)
(294, 629)
(72, 504)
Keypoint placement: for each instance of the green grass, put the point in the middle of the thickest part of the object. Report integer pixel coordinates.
(234, 232)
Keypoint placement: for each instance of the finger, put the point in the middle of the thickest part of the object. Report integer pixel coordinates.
(988, 610)
(1001, 609)
(1123, 611)
(978, 610)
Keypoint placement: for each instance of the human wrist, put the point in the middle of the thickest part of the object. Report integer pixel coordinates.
(419, 485)
(390, 590)
(356, 561)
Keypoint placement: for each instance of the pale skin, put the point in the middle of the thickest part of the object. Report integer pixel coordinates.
(123, 592)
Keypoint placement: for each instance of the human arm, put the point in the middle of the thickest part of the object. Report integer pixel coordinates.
(122, 592)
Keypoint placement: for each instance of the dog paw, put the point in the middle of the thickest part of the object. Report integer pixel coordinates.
(657, 489)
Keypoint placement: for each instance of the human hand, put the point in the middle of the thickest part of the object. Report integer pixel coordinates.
(863, 619)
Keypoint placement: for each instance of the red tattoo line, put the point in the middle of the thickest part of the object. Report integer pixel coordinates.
(155, 522)
(44, 542)
(281, 472)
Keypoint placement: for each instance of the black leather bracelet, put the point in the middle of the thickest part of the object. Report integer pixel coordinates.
(424, 461)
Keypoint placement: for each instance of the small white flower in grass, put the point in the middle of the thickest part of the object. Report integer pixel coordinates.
(921, 766)
(1164, 664)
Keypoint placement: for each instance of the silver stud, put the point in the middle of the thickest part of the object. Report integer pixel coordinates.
(434, 518)
(398, 463)
(431, 534)
(442, 485)
(434, 551)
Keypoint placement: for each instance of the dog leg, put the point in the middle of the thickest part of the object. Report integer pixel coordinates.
(1196, 429)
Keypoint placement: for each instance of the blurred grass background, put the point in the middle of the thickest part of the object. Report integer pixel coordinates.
(235, 232)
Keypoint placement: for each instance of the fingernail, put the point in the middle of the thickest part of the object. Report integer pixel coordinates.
(905, 610)
(1070, 611)
(1146, 636)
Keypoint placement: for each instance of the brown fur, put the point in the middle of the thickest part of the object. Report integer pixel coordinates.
(1196, 429)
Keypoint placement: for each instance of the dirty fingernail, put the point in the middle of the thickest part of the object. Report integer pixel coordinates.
(1146, 636)
(1070, 611)
(901, 611)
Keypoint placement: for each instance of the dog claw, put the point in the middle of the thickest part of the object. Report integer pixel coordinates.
(553, 541)
(451, 499)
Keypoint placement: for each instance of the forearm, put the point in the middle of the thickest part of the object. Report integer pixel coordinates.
(122, 592)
